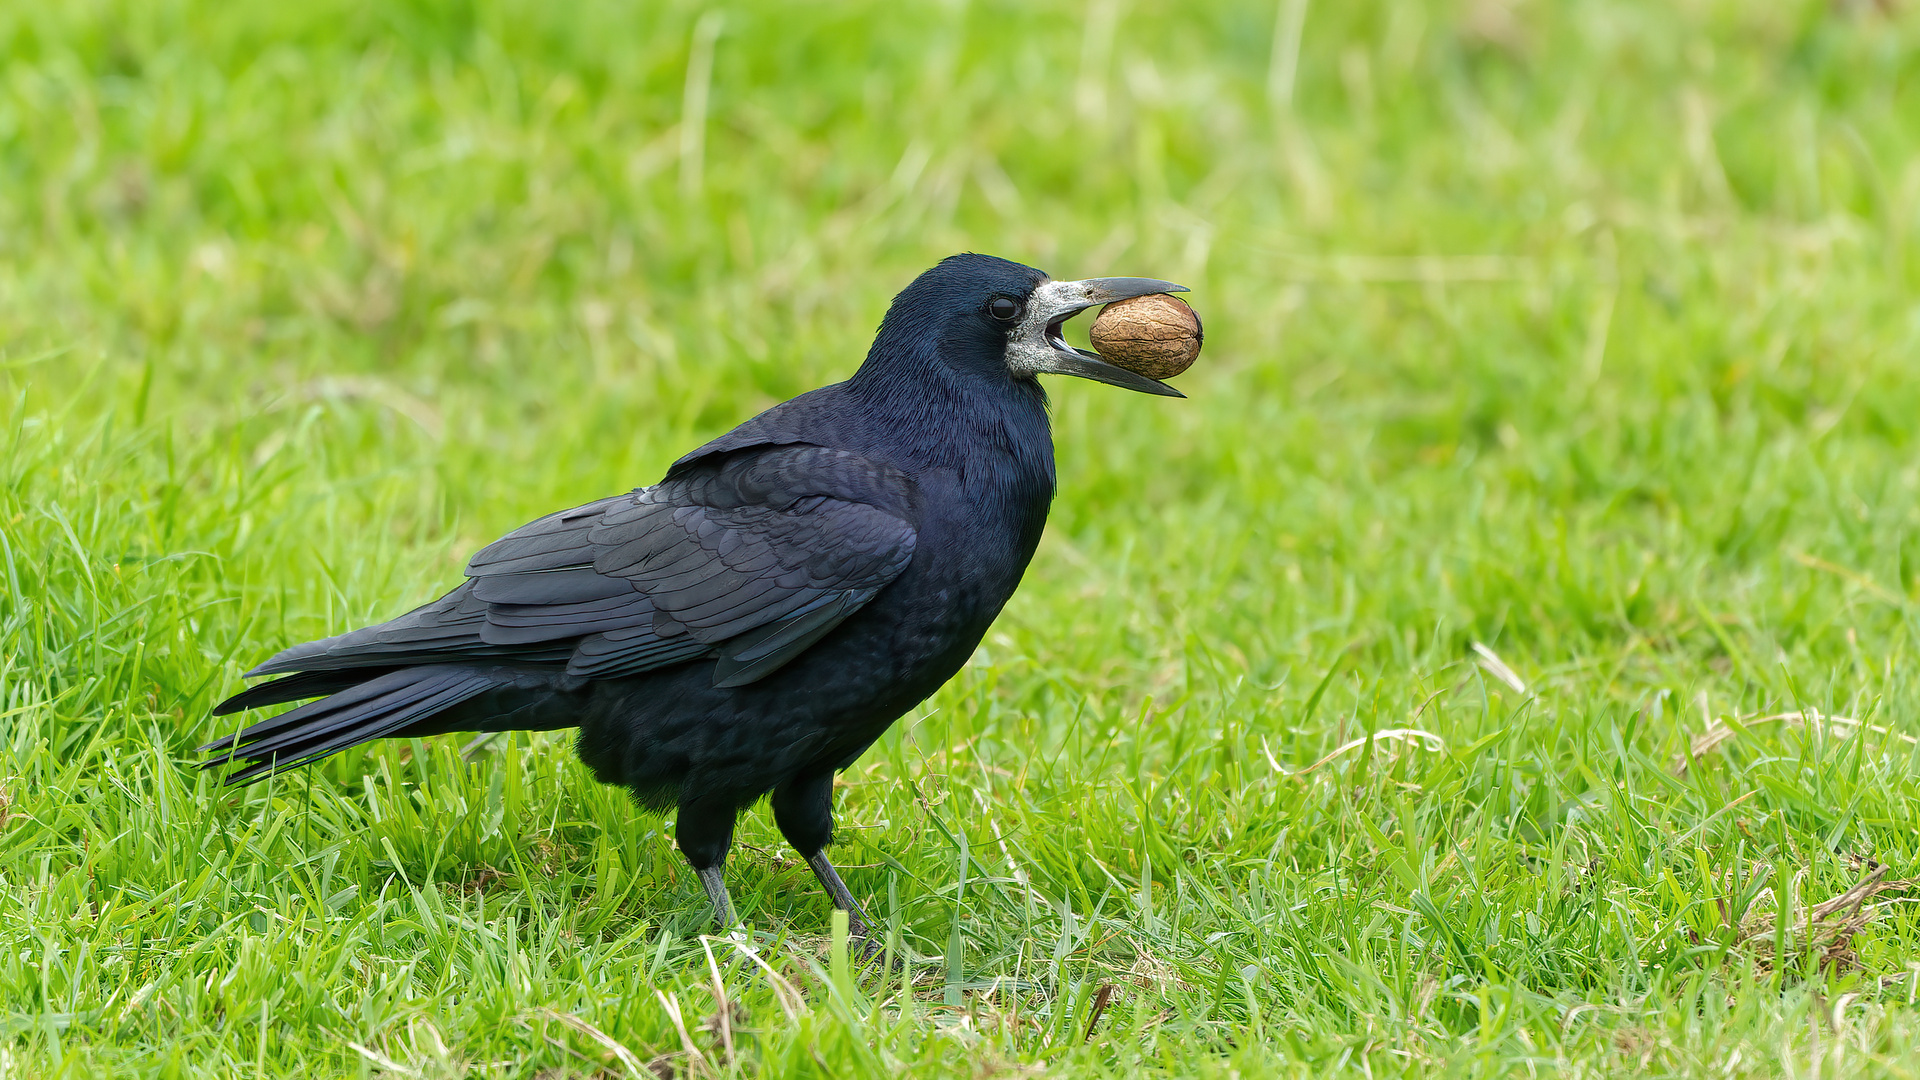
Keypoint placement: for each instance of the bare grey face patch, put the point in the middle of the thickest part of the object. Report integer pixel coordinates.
(1035, 346)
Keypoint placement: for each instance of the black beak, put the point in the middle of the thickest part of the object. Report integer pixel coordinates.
(1038, 348)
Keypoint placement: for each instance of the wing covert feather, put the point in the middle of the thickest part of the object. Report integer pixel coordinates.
(750, 558)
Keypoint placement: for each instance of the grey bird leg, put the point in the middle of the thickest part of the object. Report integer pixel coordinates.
(803, 808)
(704, 831)
(842, 899)
(716, 885)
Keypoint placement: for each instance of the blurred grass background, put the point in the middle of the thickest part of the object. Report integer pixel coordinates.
(1581, 332)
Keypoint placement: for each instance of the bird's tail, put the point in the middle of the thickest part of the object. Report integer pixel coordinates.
(362, 706)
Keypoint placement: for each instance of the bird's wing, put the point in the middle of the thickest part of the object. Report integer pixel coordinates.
(750, 559)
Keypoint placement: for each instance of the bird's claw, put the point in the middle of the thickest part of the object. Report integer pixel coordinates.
(869, 951)
(741, 938)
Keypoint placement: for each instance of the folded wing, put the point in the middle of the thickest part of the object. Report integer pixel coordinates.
(748, 560)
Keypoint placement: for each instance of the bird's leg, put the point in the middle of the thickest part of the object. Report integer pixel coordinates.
(715, 883)
(705, 833)
(842, 899)
(803, 808)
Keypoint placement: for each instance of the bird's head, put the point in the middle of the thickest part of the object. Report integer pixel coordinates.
(986, 316)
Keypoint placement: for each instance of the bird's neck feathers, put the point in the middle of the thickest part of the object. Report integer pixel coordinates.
(949, 406)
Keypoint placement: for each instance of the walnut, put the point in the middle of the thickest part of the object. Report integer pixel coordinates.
(1157, 336)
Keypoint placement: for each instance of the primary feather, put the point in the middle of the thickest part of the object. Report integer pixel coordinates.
(780, 543)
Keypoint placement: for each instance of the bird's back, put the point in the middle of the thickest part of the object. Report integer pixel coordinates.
(796, 583)
(980, 487)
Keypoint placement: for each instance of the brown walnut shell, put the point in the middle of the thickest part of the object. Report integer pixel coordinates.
(1157, 336)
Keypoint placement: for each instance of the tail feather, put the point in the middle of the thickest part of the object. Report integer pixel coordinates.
(308, 684)
(395, 723)
(358, 692)
(379, 707)
(401, 695)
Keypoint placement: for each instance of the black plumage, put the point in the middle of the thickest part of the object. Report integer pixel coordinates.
(751, 623)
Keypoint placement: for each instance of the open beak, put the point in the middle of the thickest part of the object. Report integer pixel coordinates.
(1036, 346)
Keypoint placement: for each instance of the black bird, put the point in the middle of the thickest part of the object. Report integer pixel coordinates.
(755, 620)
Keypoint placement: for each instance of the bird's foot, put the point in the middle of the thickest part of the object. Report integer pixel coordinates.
(864, 946)
(741, 938)
(869, 950)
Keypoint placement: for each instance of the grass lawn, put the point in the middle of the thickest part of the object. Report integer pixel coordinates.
(1504, 663)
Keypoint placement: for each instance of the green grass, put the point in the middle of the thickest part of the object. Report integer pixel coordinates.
(1585, 332)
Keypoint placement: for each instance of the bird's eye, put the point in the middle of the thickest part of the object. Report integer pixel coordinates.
(1005, 308)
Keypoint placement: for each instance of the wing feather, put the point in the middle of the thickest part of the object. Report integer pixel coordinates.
(750, 559)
